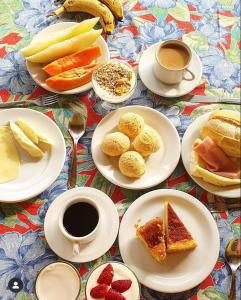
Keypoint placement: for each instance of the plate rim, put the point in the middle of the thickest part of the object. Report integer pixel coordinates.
(68, 92)
(199, 181)
(60, 136)
(160, 93)
(186, 197)
(82, 191)
(113, 181)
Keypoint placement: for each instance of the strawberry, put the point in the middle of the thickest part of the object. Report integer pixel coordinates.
(121, 285)
(106, 275)
(99, 291)
(114, 295)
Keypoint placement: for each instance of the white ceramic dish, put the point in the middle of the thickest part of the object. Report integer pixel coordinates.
(180, 271)
(103, 241)
(39, 76)
(147, 76)
(105, 96)
(35, 176)
(159, 165)
(191, 134)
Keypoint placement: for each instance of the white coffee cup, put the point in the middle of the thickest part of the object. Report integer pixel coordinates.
(78, 241)
(172, 76)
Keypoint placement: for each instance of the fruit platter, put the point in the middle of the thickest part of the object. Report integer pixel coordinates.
(59, 64)
(120, 172)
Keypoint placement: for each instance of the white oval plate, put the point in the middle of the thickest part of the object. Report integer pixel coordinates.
(107, 233)
(147, 76)
(39, 76)
(159, 165)
(35, 176)
(180, 271)
(191, 134)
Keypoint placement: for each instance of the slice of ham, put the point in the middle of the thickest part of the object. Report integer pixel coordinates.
(216, 160)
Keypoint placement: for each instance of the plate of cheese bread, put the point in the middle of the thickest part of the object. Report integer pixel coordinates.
(164, 238)
(211, 152)
(133, 147)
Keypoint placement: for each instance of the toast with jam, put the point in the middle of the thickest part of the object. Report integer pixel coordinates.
(152, 235)
(178, 238)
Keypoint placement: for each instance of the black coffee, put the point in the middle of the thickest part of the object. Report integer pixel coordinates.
(80, 219)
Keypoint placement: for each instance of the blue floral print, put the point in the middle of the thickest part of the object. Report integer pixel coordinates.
(14, 75)
(151, 33)
(159, 3)
(125, 44)
(22, 256)
(219, 72)
(34, 16)
(204, 6)
(211, 29)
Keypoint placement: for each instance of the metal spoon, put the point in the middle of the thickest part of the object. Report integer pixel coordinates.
(233, 258)
(76, 129)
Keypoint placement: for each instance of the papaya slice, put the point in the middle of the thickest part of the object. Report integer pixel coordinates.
(78, 59)
(72, 78)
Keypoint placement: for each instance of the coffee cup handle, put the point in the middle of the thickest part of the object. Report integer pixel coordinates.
(76, 249)
(190, 78)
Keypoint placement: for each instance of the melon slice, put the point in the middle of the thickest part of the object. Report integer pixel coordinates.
(67, 47)
(37, 138)
(60, 36)
(25, 142)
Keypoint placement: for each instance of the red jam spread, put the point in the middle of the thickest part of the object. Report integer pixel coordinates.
(176, 230)
(153, 233)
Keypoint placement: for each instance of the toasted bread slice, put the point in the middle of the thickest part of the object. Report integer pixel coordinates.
(152, 235)
(178, 238)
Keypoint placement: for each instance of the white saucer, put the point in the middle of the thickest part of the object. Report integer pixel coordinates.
(191, 134)
(147, 76)
(100, 245)
(180, 271)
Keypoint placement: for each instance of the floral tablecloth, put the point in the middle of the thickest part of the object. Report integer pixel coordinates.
(212, 29)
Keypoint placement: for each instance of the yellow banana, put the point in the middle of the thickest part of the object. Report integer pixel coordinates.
(116, 7)
(93, 7)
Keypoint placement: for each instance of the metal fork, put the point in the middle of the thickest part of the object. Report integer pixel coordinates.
(45, 100)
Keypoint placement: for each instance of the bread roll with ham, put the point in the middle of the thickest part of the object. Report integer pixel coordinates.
(210, 162)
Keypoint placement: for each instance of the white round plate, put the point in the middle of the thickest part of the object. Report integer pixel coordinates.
(107, 233)
(39, 76)
(179, 271)
(147, 76)
(159, 165)
(35, 175)
(191, 134)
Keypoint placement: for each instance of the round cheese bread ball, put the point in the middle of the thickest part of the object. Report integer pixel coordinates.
(131, 124)
(132, 164)
(115, 143)
(147, 142)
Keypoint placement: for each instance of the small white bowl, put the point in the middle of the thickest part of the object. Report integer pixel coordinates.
(108, 97)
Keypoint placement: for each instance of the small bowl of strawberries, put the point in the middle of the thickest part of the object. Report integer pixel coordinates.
(112, 281)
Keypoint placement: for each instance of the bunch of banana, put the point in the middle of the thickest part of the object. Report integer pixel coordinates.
(105, 9)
